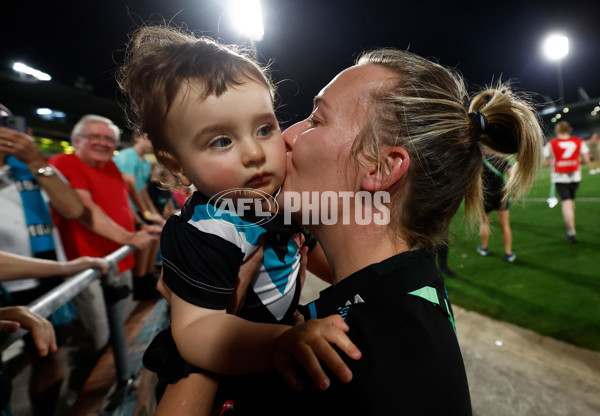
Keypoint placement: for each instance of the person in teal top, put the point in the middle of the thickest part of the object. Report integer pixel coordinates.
(136, 170)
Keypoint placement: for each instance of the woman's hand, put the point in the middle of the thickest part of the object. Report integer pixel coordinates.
(310, 343)
(14, 317)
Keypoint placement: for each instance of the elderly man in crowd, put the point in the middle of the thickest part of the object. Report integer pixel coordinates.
(107, 224)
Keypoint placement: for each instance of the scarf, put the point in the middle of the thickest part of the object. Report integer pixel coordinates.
(39, 226)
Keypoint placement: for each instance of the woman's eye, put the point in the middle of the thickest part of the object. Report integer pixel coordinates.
(265, 131)
(221, 142)
(313, 122)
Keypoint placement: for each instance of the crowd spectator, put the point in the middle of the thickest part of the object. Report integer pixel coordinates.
(15, 267)
(136, 170)
(107, 225)
(27, 185)
(567, 152)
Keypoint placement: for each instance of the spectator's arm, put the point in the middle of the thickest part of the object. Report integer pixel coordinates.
(62, 197)
(154, 215)
(14, 317)
(100, 223)
(15, 267)
(133, 193)
(142, 201)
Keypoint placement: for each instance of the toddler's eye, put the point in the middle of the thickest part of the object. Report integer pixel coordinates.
(221, 142)
(265, 131)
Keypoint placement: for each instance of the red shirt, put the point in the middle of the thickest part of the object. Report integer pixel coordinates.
(109, 191)
(566, 154)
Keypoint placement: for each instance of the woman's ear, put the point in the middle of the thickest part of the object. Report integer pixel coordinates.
(170, 162)
(394, 166)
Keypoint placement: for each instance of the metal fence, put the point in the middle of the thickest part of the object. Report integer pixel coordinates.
(57, 297)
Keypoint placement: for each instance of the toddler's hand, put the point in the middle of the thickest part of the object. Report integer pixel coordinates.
(310, 342)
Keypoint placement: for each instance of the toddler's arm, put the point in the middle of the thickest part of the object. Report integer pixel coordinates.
(221, 342)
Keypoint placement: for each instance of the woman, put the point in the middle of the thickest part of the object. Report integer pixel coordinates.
(396, 123)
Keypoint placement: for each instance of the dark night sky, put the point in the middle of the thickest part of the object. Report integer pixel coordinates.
(310, 41)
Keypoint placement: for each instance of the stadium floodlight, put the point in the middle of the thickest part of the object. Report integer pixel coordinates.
(43, 111)
(24, 69)
(247, 18)
(556, 48)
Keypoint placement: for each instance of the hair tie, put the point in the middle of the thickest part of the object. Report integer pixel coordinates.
(480, 122)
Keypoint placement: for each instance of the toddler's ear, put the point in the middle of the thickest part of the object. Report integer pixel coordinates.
(170, 162)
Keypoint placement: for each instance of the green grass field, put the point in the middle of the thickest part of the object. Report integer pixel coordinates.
(553, 287)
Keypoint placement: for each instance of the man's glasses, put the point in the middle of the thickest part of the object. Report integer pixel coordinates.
(97, 138)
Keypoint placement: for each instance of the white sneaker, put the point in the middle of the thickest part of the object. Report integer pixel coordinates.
(593, 171)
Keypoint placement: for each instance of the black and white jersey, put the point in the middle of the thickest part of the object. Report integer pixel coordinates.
(201, 257)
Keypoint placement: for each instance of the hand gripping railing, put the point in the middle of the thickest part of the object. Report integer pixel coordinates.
(57, 297)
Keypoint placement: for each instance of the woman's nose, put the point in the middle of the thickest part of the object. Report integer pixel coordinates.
(290, 135)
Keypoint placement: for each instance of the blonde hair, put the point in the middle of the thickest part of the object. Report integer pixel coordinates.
(424, 111)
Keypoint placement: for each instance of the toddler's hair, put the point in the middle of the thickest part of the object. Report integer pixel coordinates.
(160, 60)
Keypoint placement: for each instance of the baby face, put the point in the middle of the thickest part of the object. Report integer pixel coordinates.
(229, 141)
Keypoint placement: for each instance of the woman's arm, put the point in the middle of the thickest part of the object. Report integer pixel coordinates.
(193, 395)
